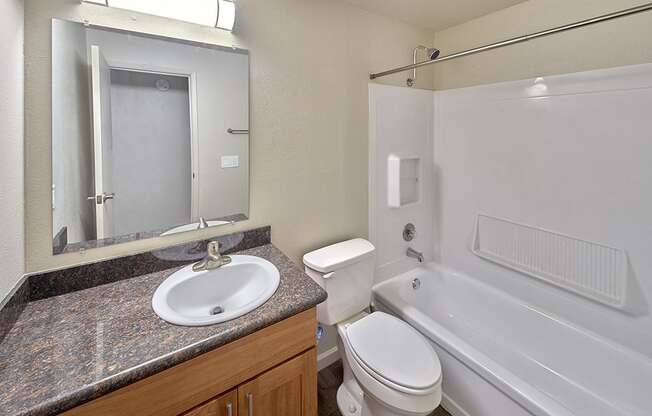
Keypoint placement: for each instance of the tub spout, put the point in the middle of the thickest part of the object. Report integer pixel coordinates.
(415, 254)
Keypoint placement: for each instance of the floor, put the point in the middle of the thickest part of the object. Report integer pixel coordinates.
(328, 380)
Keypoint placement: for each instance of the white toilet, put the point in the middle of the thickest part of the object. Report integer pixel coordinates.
(390, 369)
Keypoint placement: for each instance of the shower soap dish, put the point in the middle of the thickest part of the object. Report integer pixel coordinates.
(593, 270)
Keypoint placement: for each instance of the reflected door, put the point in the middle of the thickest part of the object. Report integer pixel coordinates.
(102, 143)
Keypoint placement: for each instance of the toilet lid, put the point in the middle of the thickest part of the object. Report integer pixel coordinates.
(395, 351)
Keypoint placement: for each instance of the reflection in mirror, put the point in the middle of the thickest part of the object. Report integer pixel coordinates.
(149, 136)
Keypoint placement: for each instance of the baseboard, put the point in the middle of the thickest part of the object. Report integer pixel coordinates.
(451, 406)
(327, 358)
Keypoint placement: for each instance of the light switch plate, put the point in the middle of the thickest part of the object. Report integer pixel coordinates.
(232, 161)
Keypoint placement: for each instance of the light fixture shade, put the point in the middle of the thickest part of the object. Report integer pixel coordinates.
(226, 14)
(215, 13)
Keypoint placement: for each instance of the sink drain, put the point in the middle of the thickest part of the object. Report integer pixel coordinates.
(217, 310)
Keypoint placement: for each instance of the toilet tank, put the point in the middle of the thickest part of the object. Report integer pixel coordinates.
(345, 271)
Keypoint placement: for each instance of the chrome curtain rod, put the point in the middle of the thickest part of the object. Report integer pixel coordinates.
(599, 19)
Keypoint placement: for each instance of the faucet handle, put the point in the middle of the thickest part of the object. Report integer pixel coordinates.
(213, 248)
(213, 258)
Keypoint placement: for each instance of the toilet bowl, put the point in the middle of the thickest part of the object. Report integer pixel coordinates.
(390, 369)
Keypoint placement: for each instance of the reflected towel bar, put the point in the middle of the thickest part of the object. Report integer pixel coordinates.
(233, 131)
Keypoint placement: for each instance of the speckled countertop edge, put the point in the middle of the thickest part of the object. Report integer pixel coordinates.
(36, 395)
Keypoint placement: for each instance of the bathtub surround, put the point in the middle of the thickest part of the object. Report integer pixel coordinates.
(111, 329)
(401, 124)
(566, 155)
(12, 251)
(293, 146)
(493, 149)
(496, 146)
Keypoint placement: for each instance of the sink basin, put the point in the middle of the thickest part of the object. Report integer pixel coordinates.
(209, 297)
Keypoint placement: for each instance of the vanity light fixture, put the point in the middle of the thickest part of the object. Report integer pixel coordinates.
(214, 13)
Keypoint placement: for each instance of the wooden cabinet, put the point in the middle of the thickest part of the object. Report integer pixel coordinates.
(272, 372)
(225, 405)
(287, 390)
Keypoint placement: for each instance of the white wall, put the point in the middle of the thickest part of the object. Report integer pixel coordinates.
(400, 123)
(567, 153)
(310, 62)
(151, 152)
(12, 260)
(619, 42)
(72, 163)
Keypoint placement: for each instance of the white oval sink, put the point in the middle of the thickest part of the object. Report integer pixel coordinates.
(209, 297)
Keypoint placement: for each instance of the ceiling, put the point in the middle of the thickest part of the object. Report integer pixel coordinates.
(433, 14)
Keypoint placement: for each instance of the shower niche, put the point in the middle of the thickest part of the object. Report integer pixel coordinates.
(402, 180)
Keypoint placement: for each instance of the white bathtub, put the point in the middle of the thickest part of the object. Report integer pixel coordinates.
(503, 358)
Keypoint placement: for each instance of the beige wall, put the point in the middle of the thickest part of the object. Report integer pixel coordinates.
(310, 61)
(12, 261)
(619, 42)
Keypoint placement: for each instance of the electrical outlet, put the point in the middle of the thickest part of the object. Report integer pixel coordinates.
(232, 161)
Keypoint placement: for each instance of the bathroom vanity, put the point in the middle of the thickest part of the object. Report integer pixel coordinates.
(88, 342)
(270, 372)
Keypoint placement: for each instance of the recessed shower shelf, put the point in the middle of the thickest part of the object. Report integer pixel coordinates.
(593, 270)
(402, 180)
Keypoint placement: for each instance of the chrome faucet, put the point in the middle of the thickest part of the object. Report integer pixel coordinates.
(202, 224)
(415, 254)
(213, 259)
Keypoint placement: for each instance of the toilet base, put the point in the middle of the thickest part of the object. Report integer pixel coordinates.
(349, 395)
(347, 403)
(353, 401)
(357, 404)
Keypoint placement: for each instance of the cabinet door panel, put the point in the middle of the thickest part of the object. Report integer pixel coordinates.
(287, 390)
(225, 405)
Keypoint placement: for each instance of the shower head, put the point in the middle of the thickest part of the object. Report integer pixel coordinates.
(432, 53)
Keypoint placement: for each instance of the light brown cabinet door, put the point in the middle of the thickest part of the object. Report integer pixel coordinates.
(225, 405)
(287, 390)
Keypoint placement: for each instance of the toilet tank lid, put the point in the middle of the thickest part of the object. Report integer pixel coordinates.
(336, 256)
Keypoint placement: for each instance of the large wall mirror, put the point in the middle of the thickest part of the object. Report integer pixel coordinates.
(150, 136)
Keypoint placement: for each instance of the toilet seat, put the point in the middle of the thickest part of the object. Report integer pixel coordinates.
(394, 353)
(378, 384)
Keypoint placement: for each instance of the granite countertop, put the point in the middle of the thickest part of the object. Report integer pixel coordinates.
(69, 349)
